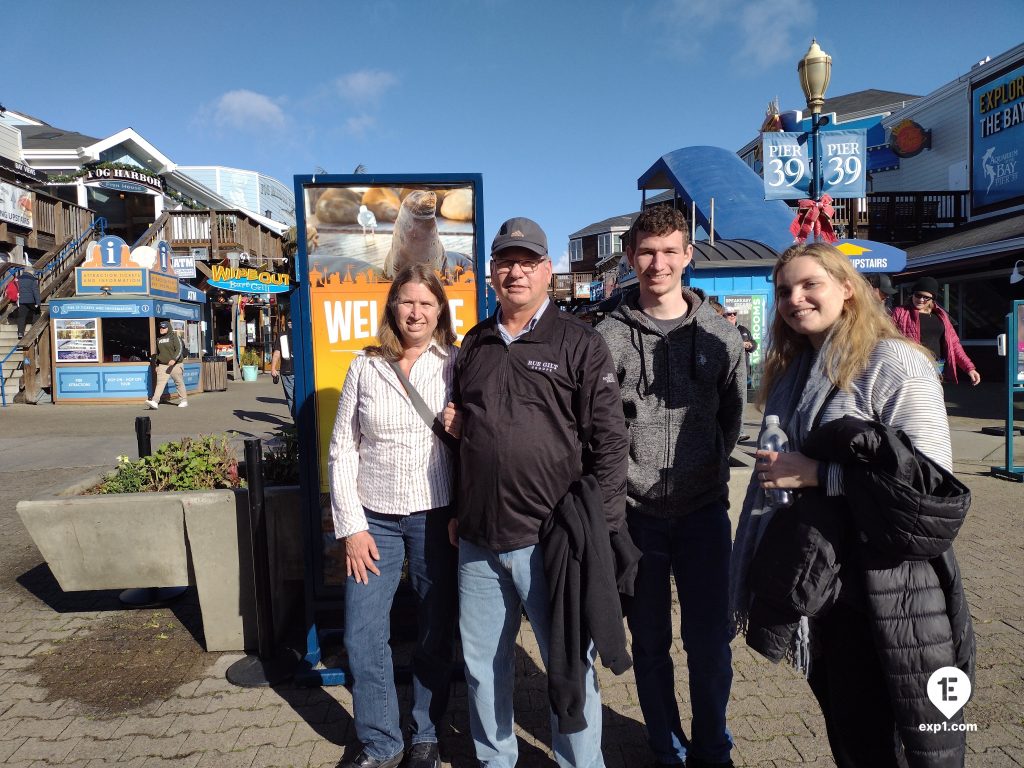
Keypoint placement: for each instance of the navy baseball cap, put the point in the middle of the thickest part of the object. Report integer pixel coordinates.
(520, 232)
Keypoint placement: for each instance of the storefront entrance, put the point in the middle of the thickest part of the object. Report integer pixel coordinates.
(128, 214)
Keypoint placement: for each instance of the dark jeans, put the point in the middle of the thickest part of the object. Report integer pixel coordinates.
(848, 682)
(695, 550)
(423, 539)
(288, 384)
(24, 310)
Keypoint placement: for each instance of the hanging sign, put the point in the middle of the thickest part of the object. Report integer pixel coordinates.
(248, 280)
(184, 265)
(788, 166)
(787, 171)
(869, 256)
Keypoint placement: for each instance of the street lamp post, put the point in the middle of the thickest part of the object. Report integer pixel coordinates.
(815, 70)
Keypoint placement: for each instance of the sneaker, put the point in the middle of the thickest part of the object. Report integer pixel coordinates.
(183, 404)
(152, 405)
(424, 755)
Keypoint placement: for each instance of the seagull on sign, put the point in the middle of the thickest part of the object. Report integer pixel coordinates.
(367, 220)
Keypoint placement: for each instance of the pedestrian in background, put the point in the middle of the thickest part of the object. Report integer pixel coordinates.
(749, 342)
(924, 321)
(28, 298)
(282, 365)
(391, 487)
(882, 288)
(170, 351)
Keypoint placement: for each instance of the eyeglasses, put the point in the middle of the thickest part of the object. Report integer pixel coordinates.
(923, 297)
(731, 314)
(504, 266)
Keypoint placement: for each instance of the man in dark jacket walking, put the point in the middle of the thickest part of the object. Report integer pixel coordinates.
(682, 377)
(539, 409)
(28, 298)
(170, 351)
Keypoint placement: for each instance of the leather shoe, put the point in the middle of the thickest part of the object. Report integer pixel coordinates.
(424, 755)
(363, 760)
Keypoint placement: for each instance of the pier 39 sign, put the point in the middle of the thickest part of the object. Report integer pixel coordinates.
(788, 158)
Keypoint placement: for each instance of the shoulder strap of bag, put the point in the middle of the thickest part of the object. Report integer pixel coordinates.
(424, 410)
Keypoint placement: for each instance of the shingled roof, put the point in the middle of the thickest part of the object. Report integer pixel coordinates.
(48, 137)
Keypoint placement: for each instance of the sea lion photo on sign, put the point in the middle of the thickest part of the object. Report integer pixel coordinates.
(415, 238)
(383, 202)
(337, 206)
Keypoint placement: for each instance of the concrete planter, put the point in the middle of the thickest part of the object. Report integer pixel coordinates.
(119, 541)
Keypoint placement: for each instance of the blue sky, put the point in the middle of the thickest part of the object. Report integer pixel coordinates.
(560, 105)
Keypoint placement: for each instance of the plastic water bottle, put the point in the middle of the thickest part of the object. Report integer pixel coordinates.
(774, 439)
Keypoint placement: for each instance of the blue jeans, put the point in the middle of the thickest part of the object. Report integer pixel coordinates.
(288, 384)
(695, 550)
(493, 589)
(423, 539)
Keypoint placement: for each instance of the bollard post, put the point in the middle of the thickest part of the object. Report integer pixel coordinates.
(148, 597)
(143, 433)
(266, 667)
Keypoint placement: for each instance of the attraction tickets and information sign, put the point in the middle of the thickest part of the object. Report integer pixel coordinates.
(359, 232)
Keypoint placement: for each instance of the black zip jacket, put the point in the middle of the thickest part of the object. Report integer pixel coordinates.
(536, 415)
(586, 569)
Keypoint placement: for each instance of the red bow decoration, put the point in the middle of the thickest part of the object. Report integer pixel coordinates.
(816, 217)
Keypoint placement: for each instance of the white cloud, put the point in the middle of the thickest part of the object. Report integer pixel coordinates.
(767, 30)
(688, 22)
(561, 264)
(366, 86)
(359, 125)
(244, 110)
(770, 30)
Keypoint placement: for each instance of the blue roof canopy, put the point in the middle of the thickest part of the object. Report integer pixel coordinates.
(699, 174)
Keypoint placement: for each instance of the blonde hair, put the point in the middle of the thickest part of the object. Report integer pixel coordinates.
(389, 336)
(862, 323)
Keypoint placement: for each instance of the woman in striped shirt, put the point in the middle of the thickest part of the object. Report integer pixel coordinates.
(391, 486)
(834, 352)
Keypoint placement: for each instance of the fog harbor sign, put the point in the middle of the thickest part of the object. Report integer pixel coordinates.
(123, 180)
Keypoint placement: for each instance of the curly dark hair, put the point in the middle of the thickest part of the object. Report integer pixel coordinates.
(659, 220)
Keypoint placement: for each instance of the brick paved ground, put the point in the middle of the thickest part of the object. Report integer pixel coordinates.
(198, 719)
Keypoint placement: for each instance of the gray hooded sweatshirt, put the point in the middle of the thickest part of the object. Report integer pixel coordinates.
(683, 395)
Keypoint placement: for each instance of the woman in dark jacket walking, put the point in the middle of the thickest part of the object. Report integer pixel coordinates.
(896, 611)
(28, 297)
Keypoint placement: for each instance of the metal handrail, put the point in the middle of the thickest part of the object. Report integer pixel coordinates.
(98, 223)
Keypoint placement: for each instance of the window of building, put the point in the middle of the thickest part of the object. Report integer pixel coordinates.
(619, 239)
(604, 245)
(576, 250)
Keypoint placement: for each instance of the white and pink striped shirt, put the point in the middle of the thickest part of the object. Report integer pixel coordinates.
(382, 455)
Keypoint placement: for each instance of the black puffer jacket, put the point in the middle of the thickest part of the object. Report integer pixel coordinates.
(886, 547)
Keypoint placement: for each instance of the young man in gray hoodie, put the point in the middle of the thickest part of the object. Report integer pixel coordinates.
(681, 371)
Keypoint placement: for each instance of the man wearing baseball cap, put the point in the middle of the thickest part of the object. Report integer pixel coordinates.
(540, 408)
(169, 353)
(882, 286)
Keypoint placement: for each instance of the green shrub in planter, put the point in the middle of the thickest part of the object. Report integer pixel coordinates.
(191, 464)
(250, 357)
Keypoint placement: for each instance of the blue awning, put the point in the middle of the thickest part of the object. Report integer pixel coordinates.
(700, 174)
